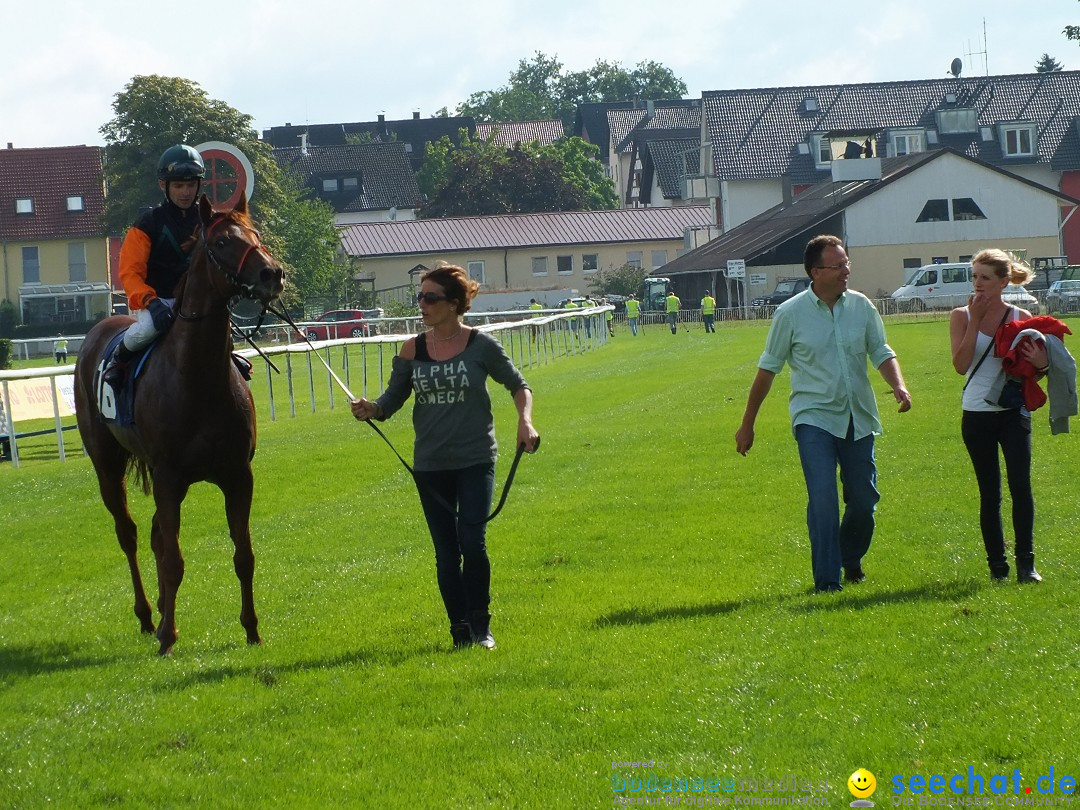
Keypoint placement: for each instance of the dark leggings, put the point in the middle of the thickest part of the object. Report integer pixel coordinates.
(984, 432)
(461, 560)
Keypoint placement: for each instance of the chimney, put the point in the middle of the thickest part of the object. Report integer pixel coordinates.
(10, 145)
(786, 189)
(303, 143)
(416, 115)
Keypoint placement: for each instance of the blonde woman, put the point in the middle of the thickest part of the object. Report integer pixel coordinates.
(986, 425)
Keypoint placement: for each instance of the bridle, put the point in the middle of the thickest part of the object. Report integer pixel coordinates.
(230, 275)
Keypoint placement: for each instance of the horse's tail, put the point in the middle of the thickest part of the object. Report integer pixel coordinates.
(140, 472)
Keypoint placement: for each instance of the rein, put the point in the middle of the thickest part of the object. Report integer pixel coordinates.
(231, 275)
(442, 501)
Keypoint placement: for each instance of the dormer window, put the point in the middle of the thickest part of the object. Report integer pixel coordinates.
(821, 147)
(906, 142)
(24, 205)
(329, 185)
(810, 105)
(350, 183)
(1017, 140)
(957, 119)
(75, 202)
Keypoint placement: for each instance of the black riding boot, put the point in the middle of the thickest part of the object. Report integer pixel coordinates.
(480, 622)
(117, 368)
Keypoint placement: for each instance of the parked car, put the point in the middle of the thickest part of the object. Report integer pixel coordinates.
(1063, 296)
(1019, 297)
(338, 323)
(785, 288)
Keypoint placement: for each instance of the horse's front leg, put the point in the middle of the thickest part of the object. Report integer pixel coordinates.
(165, 540)
(238, 492)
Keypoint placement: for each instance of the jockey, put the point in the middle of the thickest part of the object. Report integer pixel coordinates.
(152, 258)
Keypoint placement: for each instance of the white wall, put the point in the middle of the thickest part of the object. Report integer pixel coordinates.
(745, 199)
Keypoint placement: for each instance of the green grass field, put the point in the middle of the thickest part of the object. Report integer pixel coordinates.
(651, 597)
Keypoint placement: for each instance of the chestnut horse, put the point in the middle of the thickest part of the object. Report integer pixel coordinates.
(194, 414)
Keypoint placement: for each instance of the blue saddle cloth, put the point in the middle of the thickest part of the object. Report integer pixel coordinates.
(118, 407)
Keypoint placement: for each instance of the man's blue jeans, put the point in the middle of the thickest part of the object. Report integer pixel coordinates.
(633, 324)
(836, 543)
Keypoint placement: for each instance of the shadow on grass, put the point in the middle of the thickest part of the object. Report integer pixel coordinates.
(46, 658)
(849, 599)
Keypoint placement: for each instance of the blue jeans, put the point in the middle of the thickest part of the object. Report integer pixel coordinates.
(673, 321)
(710, 322)
(633, 324)
(461, 561)
(836, 543)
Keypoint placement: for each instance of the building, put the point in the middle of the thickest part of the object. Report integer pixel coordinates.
(893, 214)
(522, 252)
(54, 256)
(509, 134)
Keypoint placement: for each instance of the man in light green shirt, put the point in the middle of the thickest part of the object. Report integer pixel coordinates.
(633, 310)
(672, 305)
(708, 312)
(826, 334)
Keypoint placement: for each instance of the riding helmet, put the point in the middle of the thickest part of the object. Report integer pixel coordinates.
(181, 162)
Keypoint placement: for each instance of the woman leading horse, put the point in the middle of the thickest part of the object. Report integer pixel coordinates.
(194, 417)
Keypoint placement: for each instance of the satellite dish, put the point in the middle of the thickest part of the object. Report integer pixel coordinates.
(956, 67)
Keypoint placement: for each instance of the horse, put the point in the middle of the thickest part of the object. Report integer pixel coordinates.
(194, 414)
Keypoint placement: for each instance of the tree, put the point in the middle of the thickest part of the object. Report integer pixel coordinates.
(540, 89)
(154, 112)
(478, 177)
(310, 244)
(622, 280)
(1047, 64)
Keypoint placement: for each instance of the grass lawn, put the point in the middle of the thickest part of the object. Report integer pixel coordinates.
(651, 597)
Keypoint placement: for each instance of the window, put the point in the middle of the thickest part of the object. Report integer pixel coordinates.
(350, 183)
(911, 264)
(634, 258)
(77, 261)
(822, 149)
(935, 211)
(907, 142)
(961, 119)
(565, 264)
(590, 262)
(965, 208)
(659, 258)
(539, 265)
(24, 205)
(927, 278)
(75, 202)
(1017, 141)
(476, 272)
(965, 257)
(330, 184)
(939, 260)
(950, 275)
(30, 268)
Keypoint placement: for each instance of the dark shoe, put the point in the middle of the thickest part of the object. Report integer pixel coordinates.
(833, 587)
(481, 629)
(115, 373)
(461, 633)
(999, 572)
(1027, 576)
(854, 574)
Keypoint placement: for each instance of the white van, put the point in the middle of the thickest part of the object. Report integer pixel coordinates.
(936, 286)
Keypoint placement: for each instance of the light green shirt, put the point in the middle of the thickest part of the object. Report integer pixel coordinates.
(633, 307)
(673, 303)
(708, 305)
(828, 351)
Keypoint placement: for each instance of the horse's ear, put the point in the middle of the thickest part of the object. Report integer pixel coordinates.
(241, 207)
(206, 210)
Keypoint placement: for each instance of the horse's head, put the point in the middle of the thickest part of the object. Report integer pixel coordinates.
(233, 247)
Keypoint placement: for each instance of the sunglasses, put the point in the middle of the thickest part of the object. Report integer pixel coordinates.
(429, 297)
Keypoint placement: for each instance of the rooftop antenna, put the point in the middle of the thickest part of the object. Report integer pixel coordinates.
(983, 53)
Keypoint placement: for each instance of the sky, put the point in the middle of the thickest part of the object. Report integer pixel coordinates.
(316, 62)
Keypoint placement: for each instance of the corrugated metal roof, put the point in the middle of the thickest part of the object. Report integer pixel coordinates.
(48, 176)
(513, 132)
(756, 133)
(521, 230)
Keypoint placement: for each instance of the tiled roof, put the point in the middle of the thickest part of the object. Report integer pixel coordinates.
(417, 133)
(756, 238)
(513, 132)
(521, 230)
(671, 159)
(386, 176)
(756, 134)
(667, 115)
(590, 122)
(48, 176)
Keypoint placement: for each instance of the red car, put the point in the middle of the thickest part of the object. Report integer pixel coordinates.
(338, 323)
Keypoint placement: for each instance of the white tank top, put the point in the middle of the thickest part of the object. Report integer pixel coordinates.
(978, 389)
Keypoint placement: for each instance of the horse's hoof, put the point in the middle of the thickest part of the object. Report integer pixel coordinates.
(254, 640)
(148, 628)
(165, 651)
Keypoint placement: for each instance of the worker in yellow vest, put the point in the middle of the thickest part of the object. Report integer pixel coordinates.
(708, 312)
(672, 304)
(633, 310)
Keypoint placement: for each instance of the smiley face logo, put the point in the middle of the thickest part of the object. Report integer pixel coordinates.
(861, 783)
